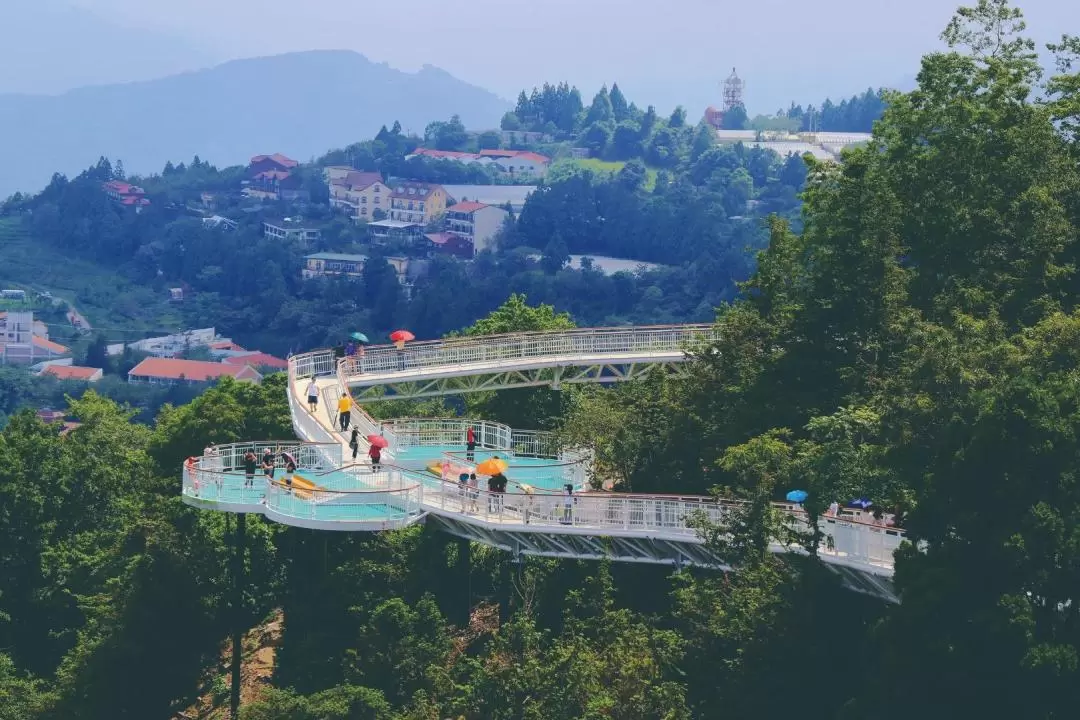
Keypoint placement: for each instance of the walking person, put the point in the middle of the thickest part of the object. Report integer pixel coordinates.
(375, 453)
(354, 442)
(250, 464)
(312, 396)
(213, 463)
(473, 492)
(268, 467)
(568, 505)
(344, 407)
(470, 444)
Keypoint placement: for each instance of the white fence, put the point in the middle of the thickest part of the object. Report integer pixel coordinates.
(495, 349)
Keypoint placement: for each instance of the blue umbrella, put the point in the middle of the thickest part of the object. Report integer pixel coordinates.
(797, 496)
(861, 503)
(359, 337)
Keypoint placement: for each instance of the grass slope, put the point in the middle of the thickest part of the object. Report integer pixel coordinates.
(111, 303)
(607, 166)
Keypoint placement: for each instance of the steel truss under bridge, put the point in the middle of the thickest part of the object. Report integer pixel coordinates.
(648, 550)
(505, 379)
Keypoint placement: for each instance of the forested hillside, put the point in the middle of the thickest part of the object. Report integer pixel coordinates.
(915, 342)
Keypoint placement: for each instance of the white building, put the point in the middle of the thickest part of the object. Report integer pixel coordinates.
(476, 222)
(291, 229)
(170, 345)
(498, 195)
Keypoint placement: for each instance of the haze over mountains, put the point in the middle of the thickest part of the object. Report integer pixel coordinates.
(300, 104)
(49, 46)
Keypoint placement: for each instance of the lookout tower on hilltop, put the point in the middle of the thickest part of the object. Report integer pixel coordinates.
(733, 91)
(733, 97)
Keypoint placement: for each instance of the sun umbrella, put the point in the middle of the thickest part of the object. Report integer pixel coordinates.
(492, 466)
(797, 496)
(288, 458)
(402, 336)
(378, 441)
(359, 337)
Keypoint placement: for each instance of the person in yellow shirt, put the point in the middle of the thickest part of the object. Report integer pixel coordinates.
(344, 407)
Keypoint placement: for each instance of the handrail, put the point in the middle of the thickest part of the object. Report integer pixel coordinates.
(450, 352)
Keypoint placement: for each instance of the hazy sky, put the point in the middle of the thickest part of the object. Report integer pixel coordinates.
(663, 53)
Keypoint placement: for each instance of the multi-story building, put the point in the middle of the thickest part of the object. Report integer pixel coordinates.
(385, 232)
(326, 264)
(476, 222)
(126, 194)
(358, 194)
(417, 202)
(350, 266)
(24, 340)
(291, 229)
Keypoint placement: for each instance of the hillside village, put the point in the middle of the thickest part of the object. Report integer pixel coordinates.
(410, 202)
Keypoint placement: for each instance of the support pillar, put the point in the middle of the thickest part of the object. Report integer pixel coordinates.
(506, 590)
(464, 577)
(239, 543)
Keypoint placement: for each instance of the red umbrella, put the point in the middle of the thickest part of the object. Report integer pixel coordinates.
(378, 441)
(402, 336)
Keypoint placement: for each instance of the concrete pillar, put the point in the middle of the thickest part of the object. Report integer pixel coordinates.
(463, 605)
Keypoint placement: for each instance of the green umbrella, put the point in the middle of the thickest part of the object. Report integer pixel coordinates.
(359, 337)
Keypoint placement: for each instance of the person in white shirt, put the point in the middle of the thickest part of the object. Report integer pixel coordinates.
(834, 509)
(312, 396)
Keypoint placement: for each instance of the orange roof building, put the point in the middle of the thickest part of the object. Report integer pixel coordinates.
(73, 372)
(258, 360)
(170, 371)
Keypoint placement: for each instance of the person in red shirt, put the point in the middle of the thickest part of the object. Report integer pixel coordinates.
(470, 444)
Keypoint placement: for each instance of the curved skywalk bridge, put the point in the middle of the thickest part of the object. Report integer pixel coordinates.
(532, 518)
(499, 362)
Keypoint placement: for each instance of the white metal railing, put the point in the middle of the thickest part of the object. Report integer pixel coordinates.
(219, 475)
(312, 364)
(427, 432)
(586, 342)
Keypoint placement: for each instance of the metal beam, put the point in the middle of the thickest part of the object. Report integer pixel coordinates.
(371, 388)
(653, 551)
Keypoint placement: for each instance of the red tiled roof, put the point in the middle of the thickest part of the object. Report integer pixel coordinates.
(452, 154)
(276, 157)
(535, 157)
(440, 238)
(225, 345)
(124, 188)
(258, 359)
(359, 180)
(194, 370)
(499, 153)
(43, 344)
(71, 372)
(466, 207)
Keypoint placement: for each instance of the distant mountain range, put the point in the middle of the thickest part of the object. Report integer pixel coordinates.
(300, 104)
(51, 46)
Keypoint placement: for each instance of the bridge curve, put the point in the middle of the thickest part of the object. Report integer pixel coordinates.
(529, 359)
(527, 520)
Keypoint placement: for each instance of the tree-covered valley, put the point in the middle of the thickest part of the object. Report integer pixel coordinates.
(907, 330)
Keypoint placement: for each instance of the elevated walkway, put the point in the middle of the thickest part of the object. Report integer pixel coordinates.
(532, 518)
(499, 362)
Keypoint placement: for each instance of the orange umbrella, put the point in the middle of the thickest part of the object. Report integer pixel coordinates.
(492, 466)
(402, 336)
